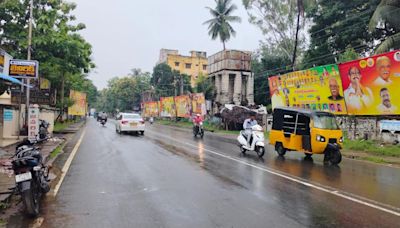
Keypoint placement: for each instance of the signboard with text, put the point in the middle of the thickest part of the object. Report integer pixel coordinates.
(24, 68)
(2, 60)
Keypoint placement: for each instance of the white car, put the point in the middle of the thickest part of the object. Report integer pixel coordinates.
(129, 122)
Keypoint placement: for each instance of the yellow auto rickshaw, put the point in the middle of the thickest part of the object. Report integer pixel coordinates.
(311, 132)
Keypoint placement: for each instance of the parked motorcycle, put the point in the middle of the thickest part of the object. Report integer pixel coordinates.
(31, 177)
(256, 142)
(198, 130)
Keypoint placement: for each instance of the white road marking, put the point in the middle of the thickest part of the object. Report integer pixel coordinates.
(67, 164)
(323, 189)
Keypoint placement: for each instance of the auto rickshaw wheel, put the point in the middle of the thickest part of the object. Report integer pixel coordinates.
(308, 155)
(336, 157)
(280, 149)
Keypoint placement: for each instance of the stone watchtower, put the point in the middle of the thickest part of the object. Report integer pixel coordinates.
(230, 71)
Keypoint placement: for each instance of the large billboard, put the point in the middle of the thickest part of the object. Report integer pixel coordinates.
(183, 106)
(199, 103)
(371, 85)
(318, 88)
(80, 105)
(151, 109)
(167, 107)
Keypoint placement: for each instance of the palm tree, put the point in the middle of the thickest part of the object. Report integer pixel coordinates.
(219, 25)
(385, 18)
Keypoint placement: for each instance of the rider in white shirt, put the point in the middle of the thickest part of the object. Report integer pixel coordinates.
(248, 124)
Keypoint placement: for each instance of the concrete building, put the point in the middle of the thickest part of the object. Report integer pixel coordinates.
(193, 65)
(230, 71)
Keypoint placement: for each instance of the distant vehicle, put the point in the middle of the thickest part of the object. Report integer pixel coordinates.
(129, 122)
(310, 132)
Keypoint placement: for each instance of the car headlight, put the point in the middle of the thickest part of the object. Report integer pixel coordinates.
(320, 138)
(341, 140)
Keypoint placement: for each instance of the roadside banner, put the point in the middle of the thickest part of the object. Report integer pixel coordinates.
(44, 84)
(80, 104)
(2, 60)
(183, 106)
(371, 85)
(33, 121)
(199, 104)
(318, 88)
(151, 109)
(167, 107)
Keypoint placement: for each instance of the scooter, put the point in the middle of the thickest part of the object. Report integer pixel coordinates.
(198, 130)
(256, 142)
(103, 122)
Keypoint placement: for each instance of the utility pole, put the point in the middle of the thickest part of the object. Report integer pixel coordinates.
(29, 58)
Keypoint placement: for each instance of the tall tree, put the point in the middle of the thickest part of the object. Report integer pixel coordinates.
(338, 25)
(168, 82)
(283, 24)
(204, 85)
(219, 25)
(385, 21)
(62, 52)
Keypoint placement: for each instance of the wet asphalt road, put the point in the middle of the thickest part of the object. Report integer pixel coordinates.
(169, 179)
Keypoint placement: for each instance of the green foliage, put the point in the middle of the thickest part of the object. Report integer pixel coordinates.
(123, 94)
(278, 20)
(63, 53)
(265, 64)
(205, 85)
(349, 55)
(166, 82)
(372, 147)
(385, 21)
(337, 25)
(219, 25)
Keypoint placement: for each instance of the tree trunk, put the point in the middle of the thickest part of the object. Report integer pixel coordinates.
(297, 35)
(223, 43)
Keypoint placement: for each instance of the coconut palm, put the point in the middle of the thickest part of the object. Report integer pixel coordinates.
(219, 25)
(385, 18)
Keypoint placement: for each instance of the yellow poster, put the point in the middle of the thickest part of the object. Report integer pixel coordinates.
(167, 107)
(44, 84)
(199, 103)
(318, 88)
(183, 106)
(80, 104)
(151, 109)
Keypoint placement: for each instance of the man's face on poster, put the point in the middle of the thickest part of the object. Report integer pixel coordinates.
(334, 87)
(385, 97)
(383, 68)
(354, 75)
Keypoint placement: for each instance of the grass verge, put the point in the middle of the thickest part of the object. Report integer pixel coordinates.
(372, 147)
(57, 151)
(58, 126)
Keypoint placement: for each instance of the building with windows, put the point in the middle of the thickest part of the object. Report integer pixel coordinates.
(193, 65)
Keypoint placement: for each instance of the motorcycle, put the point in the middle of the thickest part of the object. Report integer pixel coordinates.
(198, 130)
(103, 121)
(31, 177)
(256, 142)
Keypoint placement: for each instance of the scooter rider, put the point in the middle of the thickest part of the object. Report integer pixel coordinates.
(248, 124)
(103, 116)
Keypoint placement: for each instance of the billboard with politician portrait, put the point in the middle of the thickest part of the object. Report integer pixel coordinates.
(318, 88)
(371, 85)
(151, 109)
(183, 106)
(167, 107)
(79, 107)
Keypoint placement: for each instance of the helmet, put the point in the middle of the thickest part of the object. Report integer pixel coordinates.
(198, 115)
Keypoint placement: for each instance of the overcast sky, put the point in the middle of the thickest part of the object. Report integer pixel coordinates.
(128, 34)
